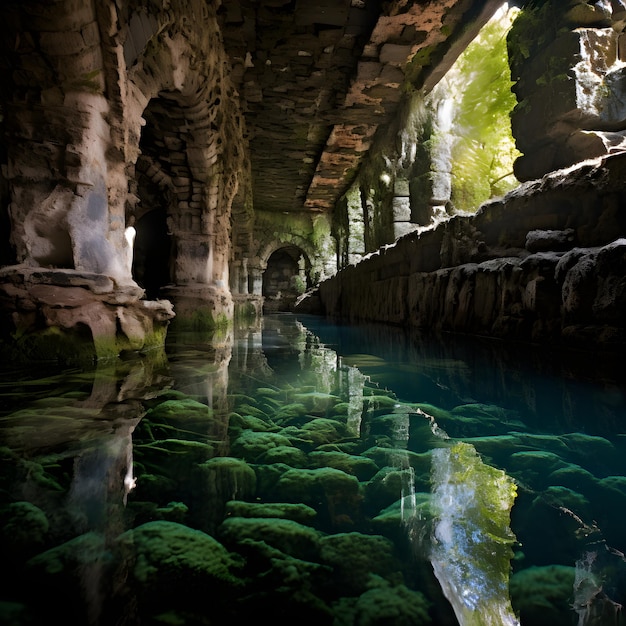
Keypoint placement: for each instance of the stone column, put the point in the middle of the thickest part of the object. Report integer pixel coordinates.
(256, 276)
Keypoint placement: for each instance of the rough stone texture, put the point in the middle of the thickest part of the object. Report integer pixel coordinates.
(232, 129)
(567, 62)
(318, 81)
(68, 316)
(112, 111)
(494, 274)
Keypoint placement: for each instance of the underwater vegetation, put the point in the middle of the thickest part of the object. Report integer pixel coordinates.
(314, 499)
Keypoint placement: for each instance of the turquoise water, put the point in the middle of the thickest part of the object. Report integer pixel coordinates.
(310, 473)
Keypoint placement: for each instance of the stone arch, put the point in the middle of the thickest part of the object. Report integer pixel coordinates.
(268, 246)
(285, 278)
(186, 151)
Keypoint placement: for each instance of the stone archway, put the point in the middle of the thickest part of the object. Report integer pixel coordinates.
(284, 279)
(185, 168)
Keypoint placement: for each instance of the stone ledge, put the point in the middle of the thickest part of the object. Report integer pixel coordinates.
(70, 317)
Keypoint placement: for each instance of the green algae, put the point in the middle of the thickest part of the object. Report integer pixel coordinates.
(286, 535)
(543, 595)
(296, 512)
(167, 551)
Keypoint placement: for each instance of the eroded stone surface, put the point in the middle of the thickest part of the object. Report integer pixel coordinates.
(545, 263)
(68, 316)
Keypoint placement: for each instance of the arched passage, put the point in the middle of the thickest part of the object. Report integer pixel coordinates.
(284, 279)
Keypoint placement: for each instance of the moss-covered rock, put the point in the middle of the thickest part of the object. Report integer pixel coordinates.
(283, 586)
(359, 466)
(355, 557)
(300, 513)
(387, 486)
(316, 402)
(543, 596)
(57, 577)
(184, 413)
(312, 485)
(289, 455)
(285, 535)
(238, 423)
(250, 445)
(386, 603)
(23, 529)
(410, 514)
(317, 431)
(227, 476)
(289, 413)
(534, 466)
(172, 556)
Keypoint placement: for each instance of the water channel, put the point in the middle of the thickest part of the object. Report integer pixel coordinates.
(305, 472)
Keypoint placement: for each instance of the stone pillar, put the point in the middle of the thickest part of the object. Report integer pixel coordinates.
(256, 279)
(401, 207)
(243, 279)
(71, 296)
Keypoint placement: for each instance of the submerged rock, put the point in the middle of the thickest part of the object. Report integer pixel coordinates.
(542, 596)
(356, 557)
(170, 555)
(300, 513)
(250, 445)
(285, 535)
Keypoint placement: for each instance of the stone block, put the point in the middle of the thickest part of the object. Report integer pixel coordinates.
(321, 12)
(368, 70)
(400, 229)
(61, 44)
(401, 208)
(401, 187)
(394, 53)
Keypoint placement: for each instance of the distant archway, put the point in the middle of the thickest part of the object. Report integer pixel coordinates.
(284, 279)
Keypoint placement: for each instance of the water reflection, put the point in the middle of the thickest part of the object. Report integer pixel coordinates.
(288, 471)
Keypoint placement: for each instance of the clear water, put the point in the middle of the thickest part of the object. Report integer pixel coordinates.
(311, 473)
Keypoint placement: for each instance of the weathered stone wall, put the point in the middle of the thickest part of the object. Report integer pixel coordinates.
(545, 263)
(97, 97)
(567, 61)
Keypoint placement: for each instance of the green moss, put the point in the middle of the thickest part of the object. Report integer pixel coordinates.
(250, 445)
(359, 466)
(357, 557)
(543, 595)
(285, 535)
(392, 604)
(168, 553)
(202, 319)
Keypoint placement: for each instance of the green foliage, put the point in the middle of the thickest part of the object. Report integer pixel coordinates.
(483, 150)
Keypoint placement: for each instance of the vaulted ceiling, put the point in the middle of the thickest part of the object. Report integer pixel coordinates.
(319, 80)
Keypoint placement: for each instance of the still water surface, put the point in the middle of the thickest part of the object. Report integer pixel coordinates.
(310, 473)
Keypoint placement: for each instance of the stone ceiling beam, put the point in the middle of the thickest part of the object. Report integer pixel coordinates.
(319, 81)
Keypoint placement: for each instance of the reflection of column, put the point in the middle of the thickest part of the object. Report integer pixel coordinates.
(208, 385)
(101, 481)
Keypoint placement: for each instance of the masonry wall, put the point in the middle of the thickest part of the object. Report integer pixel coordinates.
(545, 263)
